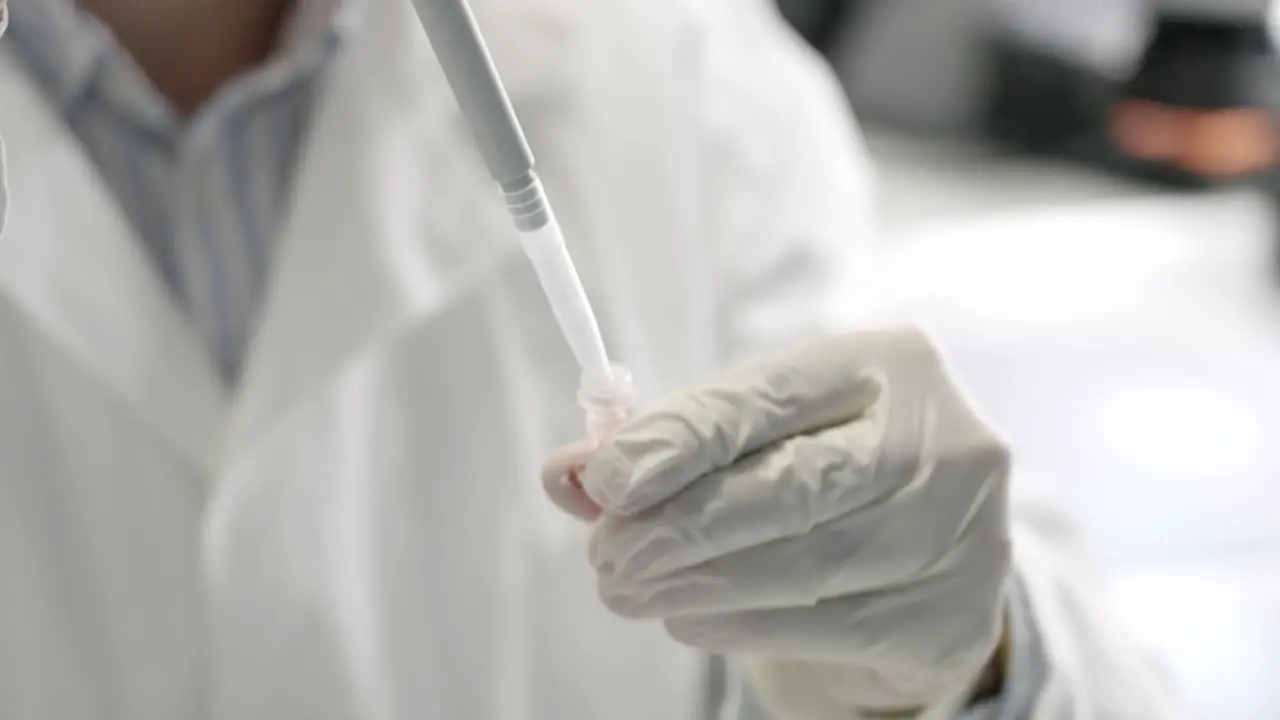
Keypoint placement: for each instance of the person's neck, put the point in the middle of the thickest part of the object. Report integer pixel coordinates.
(191, 48)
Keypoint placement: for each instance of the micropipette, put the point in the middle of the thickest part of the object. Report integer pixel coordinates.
(462, 54)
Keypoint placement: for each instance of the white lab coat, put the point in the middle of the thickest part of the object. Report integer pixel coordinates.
(357, 532)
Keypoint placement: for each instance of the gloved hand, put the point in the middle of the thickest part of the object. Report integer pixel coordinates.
(838, 513)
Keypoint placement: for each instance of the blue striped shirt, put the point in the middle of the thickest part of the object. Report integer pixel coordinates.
(207, 193)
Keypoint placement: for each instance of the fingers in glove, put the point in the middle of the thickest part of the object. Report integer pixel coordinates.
(862, 552)
(796, 486)
(941, 621)
(698, 431)
(560, 480)
(785, 491)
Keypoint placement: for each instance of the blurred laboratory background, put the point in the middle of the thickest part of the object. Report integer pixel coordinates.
(1080, 200)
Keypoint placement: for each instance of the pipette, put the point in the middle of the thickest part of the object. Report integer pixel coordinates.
(462, 54)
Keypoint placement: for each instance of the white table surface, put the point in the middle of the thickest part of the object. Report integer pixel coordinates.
(1128, 341)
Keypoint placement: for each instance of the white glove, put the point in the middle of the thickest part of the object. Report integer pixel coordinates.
(838, 513)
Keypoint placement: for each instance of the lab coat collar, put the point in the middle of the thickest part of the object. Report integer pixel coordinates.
(71, 265)
(394, 214)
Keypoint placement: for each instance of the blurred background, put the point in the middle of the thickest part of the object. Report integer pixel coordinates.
(1081, 201)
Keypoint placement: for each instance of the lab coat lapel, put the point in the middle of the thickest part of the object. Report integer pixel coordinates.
(393, 213)
(76, 271)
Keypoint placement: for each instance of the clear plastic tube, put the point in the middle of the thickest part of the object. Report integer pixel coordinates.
(606, 401)
(545, 248)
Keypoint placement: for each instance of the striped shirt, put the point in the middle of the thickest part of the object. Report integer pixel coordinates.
(207, 193)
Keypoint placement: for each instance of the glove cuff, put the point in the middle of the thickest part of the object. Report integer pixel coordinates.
(800, 691)
(793, 691)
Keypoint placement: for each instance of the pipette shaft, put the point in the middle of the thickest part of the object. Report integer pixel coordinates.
(461, 51)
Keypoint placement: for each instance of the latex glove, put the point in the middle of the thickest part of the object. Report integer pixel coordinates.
(839, 512)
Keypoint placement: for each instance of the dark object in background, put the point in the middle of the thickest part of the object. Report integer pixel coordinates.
(927, 66)
(1074, 79)
(1044, 103)
(1198, 109)
(1205, 63)
(1202, 102)
(1183, 96)
(819, 21)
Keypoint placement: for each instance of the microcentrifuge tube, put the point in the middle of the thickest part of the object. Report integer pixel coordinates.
(608, 403)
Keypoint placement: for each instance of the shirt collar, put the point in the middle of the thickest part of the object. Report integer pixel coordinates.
(67, 46)
(60, 44)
